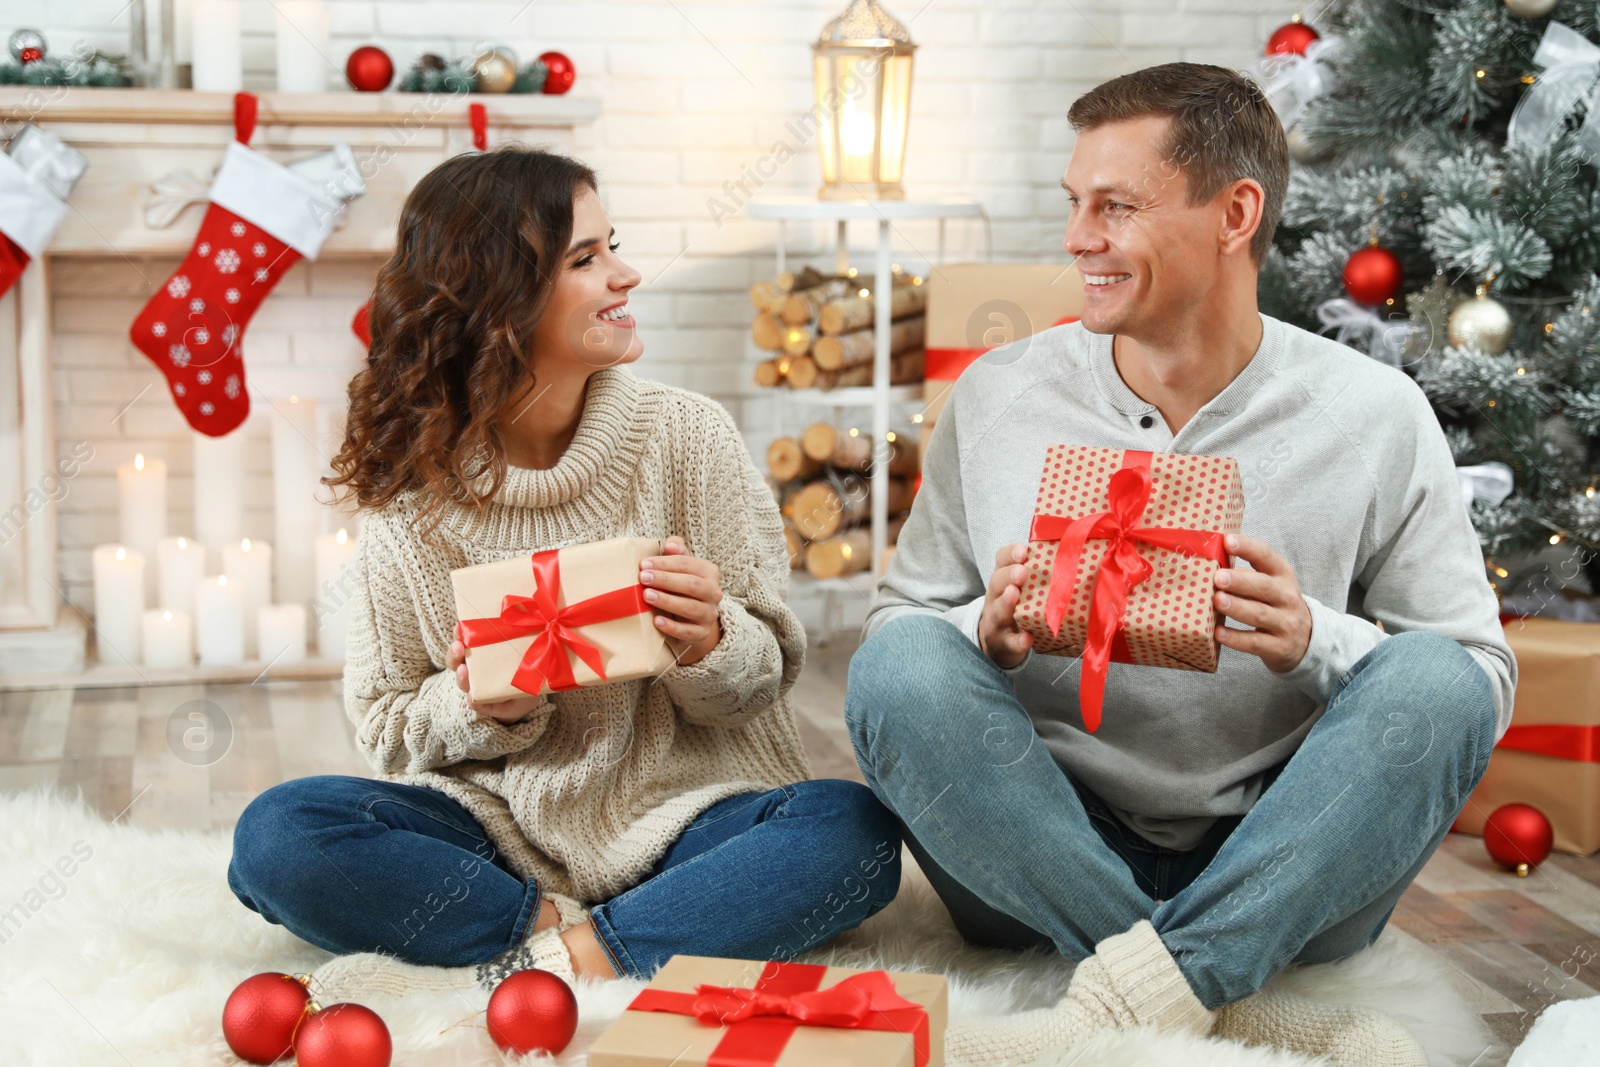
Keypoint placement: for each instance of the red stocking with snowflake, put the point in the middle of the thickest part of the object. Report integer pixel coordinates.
(263, 218)
(36, 173)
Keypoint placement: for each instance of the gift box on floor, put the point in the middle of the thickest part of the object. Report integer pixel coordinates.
(1121, 557)
(973, 307)
(557, 620)
(1550, 755)
(699, 1011)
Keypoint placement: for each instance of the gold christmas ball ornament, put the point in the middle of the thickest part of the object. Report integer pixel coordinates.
(1530, 9)
(1305, 149)
(1482, 323)
(494, 72)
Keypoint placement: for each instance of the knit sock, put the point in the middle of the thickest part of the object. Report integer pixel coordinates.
(1131, 980)
(1346, 1034)
(544, 950)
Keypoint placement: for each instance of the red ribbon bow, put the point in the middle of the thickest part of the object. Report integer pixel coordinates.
(761, 1020)
(1121, 569)
(555, 628)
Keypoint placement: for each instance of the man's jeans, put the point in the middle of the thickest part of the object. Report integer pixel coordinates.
(1023, 855)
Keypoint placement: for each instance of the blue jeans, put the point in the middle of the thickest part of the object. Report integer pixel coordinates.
(1023, 855)
(362, 865)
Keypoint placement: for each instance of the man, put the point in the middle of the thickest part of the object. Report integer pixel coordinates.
(1215, 827)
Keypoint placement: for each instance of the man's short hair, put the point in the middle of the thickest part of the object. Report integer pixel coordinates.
(1222, 129)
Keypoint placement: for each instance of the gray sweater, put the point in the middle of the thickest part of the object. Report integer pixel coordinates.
(1346, 474)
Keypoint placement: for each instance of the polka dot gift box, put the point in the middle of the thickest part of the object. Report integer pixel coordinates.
(1121, 555)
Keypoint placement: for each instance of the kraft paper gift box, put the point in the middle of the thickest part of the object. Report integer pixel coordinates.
(1550, 755)
(1150, 600)
(699, 1011)
(557, 620)
(973, 307)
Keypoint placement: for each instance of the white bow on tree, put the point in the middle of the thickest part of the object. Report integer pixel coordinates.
(1361, 327)
(1489, 482)
(1292, 81)
(1572, 63)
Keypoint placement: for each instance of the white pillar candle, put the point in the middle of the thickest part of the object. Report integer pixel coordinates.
(182, 562)
(303, 62)
(218, 492)
(296, 470)
(142, 508)
(334, 551)
(183, 31)
(219, 621)
(216, 37)
(167, 638)
(283, 632)
(118, 602)
(248, 565)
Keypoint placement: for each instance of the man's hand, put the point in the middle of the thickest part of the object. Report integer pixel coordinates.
(505, 712)
(686, 591)
(1266, 598)
(998, 634)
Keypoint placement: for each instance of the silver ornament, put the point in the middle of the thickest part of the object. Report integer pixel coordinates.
(1482, 323)
(1530, 9)
(24, 39)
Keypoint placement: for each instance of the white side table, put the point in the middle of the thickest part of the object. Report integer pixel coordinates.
(885, 213)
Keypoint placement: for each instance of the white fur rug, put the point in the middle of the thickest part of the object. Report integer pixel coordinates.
(128, 959)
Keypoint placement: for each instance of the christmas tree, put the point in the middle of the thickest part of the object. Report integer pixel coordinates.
(1443, 215)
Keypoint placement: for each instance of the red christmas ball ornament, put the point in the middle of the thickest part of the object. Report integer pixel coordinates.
(343, 1035)
(559, 72)
(31, 55)
(1292, 38)
(533, 1011)
(1518, 837)
(1373, 275)
(369, 69)
(261, 1014)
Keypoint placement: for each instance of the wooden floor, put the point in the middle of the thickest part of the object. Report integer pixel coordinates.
(1517, 945)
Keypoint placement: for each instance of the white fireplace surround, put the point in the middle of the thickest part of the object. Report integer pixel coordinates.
(63, 326)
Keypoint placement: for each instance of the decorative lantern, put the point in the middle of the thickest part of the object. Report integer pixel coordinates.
(863, 80)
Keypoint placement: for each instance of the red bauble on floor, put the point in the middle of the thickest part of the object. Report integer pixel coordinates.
(532, 1010)
(1518, 837)
(343, 1035)
(261, 1014)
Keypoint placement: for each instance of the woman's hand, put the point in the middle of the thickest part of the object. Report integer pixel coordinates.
(506, 712)
(685, 591)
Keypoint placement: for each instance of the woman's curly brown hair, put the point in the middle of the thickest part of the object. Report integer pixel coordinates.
(479, 247)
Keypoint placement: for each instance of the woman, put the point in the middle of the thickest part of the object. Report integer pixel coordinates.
(595, 832)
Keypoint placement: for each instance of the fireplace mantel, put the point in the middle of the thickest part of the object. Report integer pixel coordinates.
(132, 139)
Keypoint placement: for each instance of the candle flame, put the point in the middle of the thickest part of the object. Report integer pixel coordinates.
(294, 400)
(244, 546)
(122, 553)
(138, 461)
(222, 579)
(341, 536)
(183, 542)
(166, 616)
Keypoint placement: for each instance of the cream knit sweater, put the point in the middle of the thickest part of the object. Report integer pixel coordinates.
(588, 792)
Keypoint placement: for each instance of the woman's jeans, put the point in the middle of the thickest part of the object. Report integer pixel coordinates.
(361, 865)
(1023, 855)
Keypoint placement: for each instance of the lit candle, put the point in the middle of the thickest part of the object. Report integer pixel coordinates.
(249, 566)
(218, 488)
(216, 39)
(334, 551)
(296, 470)
(303, 63)
(219, 621)
(118, 602)
(283, 632)
(167, 638)
(182, 563)
(142, 506)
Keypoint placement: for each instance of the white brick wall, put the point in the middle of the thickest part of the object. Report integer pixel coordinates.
(692, 94)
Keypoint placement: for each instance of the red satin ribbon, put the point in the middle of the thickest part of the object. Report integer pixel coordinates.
(946, 364)
(1120, 570)
(1580, 743)
(556, 628)
(244, 116)
(478, 116)
(761, 1020)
